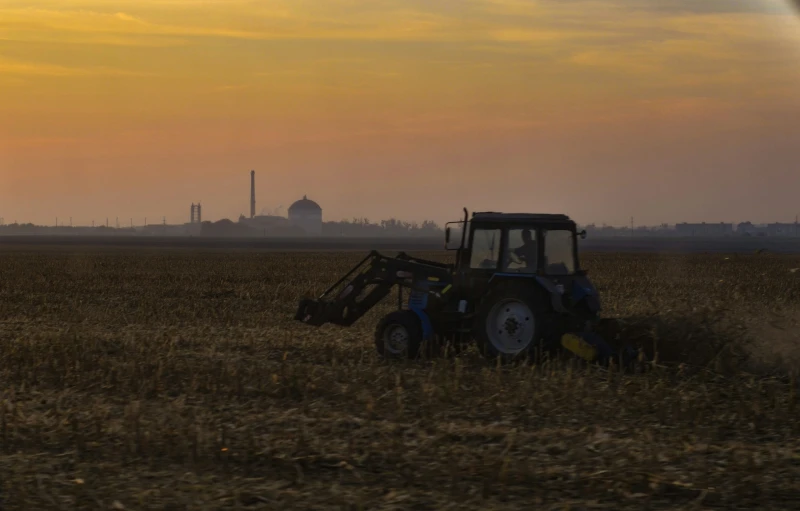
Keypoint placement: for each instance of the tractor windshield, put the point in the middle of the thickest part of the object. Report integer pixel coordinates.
(485, 249)
(522, 251)
(559, 252)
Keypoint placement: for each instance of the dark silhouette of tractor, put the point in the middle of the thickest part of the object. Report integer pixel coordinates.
(516, 289)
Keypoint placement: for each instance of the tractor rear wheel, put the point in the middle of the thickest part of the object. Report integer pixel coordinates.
(399, 335)
(510, 323)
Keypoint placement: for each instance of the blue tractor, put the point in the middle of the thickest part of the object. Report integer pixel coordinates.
(516, 289)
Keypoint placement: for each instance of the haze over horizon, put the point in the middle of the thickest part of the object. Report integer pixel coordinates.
(668, 110)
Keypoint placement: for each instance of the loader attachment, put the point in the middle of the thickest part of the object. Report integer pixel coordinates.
(343, 312)
(371, 281)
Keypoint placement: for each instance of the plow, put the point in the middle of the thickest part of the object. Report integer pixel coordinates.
(516, 290)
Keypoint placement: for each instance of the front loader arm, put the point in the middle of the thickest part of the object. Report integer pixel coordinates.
(375, 276)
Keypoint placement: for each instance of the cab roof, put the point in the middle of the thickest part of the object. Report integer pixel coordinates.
(492, 216)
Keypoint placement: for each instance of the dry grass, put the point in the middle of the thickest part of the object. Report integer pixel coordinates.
(178, 380)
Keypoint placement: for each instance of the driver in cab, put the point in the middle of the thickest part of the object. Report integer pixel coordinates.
(528, 252)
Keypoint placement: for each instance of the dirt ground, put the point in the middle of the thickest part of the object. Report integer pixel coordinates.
(157, 379)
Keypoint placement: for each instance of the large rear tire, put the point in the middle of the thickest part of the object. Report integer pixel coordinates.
(510, 323)
(399, 335)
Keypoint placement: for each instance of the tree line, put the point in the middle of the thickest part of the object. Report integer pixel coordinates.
(392, 227)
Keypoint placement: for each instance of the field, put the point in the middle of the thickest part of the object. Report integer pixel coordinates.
(176, 379)
(638, 244)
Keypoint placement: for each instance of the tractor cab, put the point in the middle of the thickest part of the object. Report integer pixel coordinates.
(515, 244)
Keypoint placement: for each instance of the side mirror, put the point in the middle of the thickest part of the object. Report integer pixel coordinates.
(582, 234)
(447, 236)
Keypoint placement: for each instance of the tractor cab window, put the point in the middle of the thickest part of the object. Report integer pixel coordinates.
(485, 249)
(559, 252)
(522, 251)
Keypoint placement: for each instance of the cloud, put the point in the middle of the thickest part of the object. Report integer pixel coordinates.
(90, 22)
(401, 48)
(15, 67)
(395, 23)
(477, 21)
(231, 88)
(664, 6)
(710, 6)
(271, 25)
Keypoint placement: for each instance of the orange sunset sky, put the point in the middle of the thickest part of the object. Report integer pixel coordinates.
(665, 110)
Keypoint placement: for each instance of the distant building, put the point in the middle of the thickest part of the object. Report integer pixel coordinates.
(307, 215)
(746, 229)
(782, 229)
(264, 221)
(270, 225)
(704, 229)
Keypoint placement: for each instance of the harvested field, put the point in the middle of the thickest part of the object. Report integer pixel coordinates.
(155, 379)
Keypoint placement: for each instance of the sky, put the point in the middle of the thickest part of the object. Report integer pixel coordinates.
(661, 110)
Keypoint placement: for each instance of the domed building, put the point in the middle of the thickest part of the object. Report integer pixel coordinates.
(307, 215)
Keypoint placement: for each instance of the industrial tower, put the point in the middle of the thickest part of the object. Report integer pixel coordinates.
(197, 214)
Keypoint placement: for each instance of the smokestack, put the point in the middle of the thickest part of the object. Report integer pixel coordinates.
(252, 193)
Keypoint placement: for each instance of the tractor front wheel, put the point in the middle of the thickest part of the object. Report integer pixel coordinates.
(399, 335)
(510, 323)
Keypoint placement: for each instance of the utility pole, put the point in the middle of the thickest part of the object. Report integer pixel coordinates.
(70, 221)
(631, 227)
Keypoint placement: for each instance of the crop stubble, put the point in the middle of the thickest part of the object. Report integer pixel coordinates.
(178, 380)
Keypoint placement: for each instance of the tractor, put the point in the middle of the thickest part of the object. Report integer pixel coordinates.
(516, 289)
